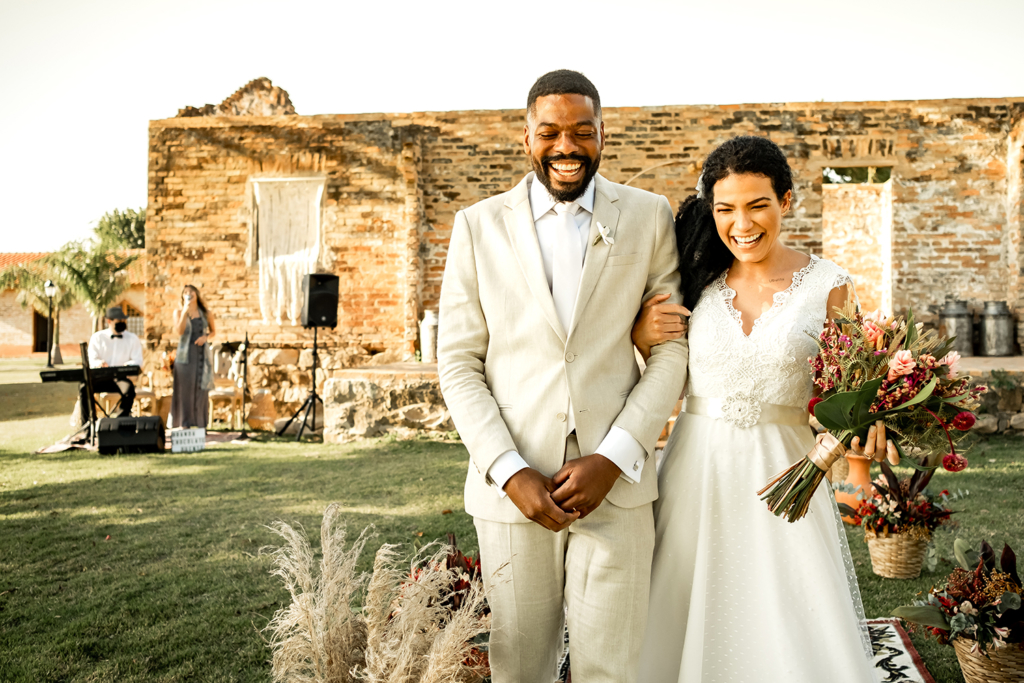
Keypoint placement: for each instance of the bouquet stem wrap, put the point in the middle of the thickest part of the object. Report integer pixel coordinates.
(789, 494)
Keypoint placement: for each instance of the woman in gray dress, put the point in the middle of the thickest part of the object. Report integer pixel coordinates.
(193, 364)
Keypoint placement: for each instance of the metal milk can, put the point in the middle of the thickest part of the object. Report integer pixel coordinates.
(995, 335)
(955, 320)
(428, 337)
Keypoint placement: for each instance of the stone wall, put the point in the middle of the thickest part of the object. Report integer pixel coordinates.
(368, 402)
(1002, 410)
(395, 182)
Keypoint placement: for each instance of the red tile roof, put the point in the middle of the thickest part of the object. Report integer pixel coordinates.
(136, 271)
(18, 258)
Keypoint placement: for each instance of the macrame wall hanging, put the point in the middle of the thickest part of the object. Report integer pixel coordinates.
(287, 235)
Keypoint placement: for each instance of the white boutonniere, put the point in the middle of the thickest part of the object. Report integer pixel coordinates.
(604, 235)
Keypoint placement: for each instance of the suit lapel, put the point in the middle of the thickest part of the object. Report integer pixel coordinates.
(605, 213)
(522, 235)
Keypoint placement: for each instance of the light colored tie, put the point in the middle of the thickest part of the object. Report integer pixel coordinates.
(568, 262)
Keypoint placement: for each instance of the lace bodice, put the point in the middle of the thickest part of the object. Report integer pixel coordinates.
(770, 365)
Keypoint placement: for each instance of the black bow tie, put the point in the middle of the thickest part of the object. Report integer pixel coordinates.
(116, 336)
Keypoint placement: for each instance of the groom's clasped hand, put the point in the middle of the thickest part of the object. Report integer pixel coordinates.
(576, 490)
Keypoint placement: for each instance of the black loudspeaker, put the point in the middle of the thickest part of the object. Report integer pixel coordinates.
(320, 300)
(131, 435)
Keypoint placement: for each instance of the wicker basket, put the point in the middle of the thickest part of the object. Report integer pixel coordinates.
(898, 556)
(1001, 666)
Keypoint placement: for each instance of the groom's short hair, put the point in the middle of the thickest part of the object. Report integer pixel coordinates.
(562, 82)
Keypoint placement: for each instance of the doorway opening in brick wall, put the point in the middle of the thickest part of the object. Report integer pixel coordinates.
(856, 229)
(39, 332)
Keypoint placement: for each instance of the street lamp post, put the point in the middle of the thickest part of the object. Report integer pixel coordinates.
(51, 291)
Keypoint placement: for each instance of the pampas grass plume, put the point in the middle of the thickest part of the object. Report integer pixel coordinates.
(406, 631)
(318, 638)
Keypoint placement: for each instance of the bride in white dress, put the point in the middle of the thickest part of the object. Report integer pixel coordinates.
(738, 594)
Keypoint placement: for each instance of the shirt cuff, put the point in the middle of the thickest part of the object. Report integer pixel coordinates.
(502, 469)
(626, 452)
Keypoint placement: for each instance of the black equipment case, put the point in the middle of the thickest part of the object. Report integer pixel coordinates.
(131, 435)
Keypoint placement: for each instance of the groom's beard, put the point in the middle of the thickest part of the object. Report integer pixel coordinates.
(572, 192)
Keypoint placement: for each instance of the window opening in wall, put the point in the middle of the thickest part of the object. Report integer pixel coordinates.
(134, 318)
(856, 174)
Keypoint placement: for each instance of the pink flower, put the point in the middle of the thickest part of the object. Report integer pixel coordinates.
(954, 462)
(875, 316)
(873, 332)
(951, 359)
(963, 421)
(902, 363)
(813, 402)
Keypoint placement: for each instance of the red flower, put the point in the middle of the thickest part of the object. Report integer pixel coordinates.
(954, 462)
(963, 421)
(815, 401)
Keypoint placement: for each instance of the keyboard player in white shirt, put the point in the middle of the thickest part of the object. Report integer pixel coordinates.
(114, 347)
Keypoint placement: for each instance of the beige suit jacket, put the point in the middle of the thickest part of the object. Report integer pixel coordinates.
(508, 369)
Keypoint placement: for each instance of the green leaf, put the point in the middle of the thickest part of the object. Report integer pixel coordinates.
(846, 510)
(965, 555)
(926, 615)
(1009, 601)
(834, 412)
(911, 328)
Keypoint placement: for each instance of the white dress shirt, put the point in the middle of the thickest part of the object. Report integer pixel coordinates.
(114, 352)
(618, 445)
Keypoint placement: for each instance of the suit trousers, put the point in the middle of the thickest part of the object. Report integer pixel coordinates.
(596, 574)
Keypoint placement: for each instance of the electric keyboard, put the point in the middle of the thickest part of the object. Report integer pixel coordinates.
(98, 374)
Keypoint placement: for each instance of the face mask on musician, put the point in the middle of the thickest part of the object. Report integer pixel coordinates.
(120, 326)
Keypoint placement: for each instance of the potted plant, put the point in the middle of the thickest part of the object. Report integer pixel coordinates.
(978, 612)
(898, 520)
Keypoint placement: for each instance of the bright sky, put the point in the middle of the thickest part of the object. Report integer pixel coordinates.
(81, 80)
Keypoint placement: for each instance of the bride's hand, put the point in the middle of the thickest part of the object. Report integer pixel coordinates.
(658, 322)
(876, 446)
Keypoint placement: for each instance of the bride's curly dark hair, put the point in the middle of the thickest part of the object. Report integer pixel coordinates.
(702, 254)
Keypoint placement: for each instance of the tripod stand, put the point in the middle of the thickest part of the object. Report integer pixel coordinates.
(309, 405)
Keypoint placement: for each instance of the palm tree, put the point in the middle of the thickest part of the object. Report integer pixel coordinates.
(94, 272)
(30, 281)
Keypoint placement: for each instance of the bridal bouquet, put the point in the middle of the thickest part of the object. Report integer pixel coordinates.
(870, 368)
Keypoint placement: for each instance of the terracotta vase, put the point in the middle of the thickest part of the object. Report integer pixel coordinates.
(859, 477)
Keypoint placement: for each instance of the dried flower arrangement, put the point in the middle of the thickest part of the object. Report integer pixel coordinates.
(980, 603)
(424, 621)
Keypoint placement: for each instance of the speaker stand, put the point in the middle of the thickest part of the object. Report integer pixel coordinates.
(309, 405)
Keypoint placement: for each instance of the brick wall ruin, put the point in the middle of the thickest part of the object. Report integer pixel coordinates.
(395, 182)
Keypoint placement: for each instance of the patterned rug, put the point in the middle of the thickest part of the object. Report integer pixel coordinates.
(896, 660)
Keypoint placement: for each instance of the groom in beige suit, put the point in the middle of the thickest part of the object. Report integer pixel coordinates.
(541, 289)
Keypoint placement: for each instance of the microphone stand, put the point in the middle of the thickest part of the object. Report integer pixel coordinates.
(245, 385)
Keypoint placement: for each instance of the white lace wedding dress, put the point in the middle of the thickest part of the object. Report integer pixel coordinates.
(738, 594)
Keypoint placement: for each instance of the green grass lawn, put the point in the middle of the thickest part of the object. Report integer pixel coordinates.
(148, 567)
(22, 395)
